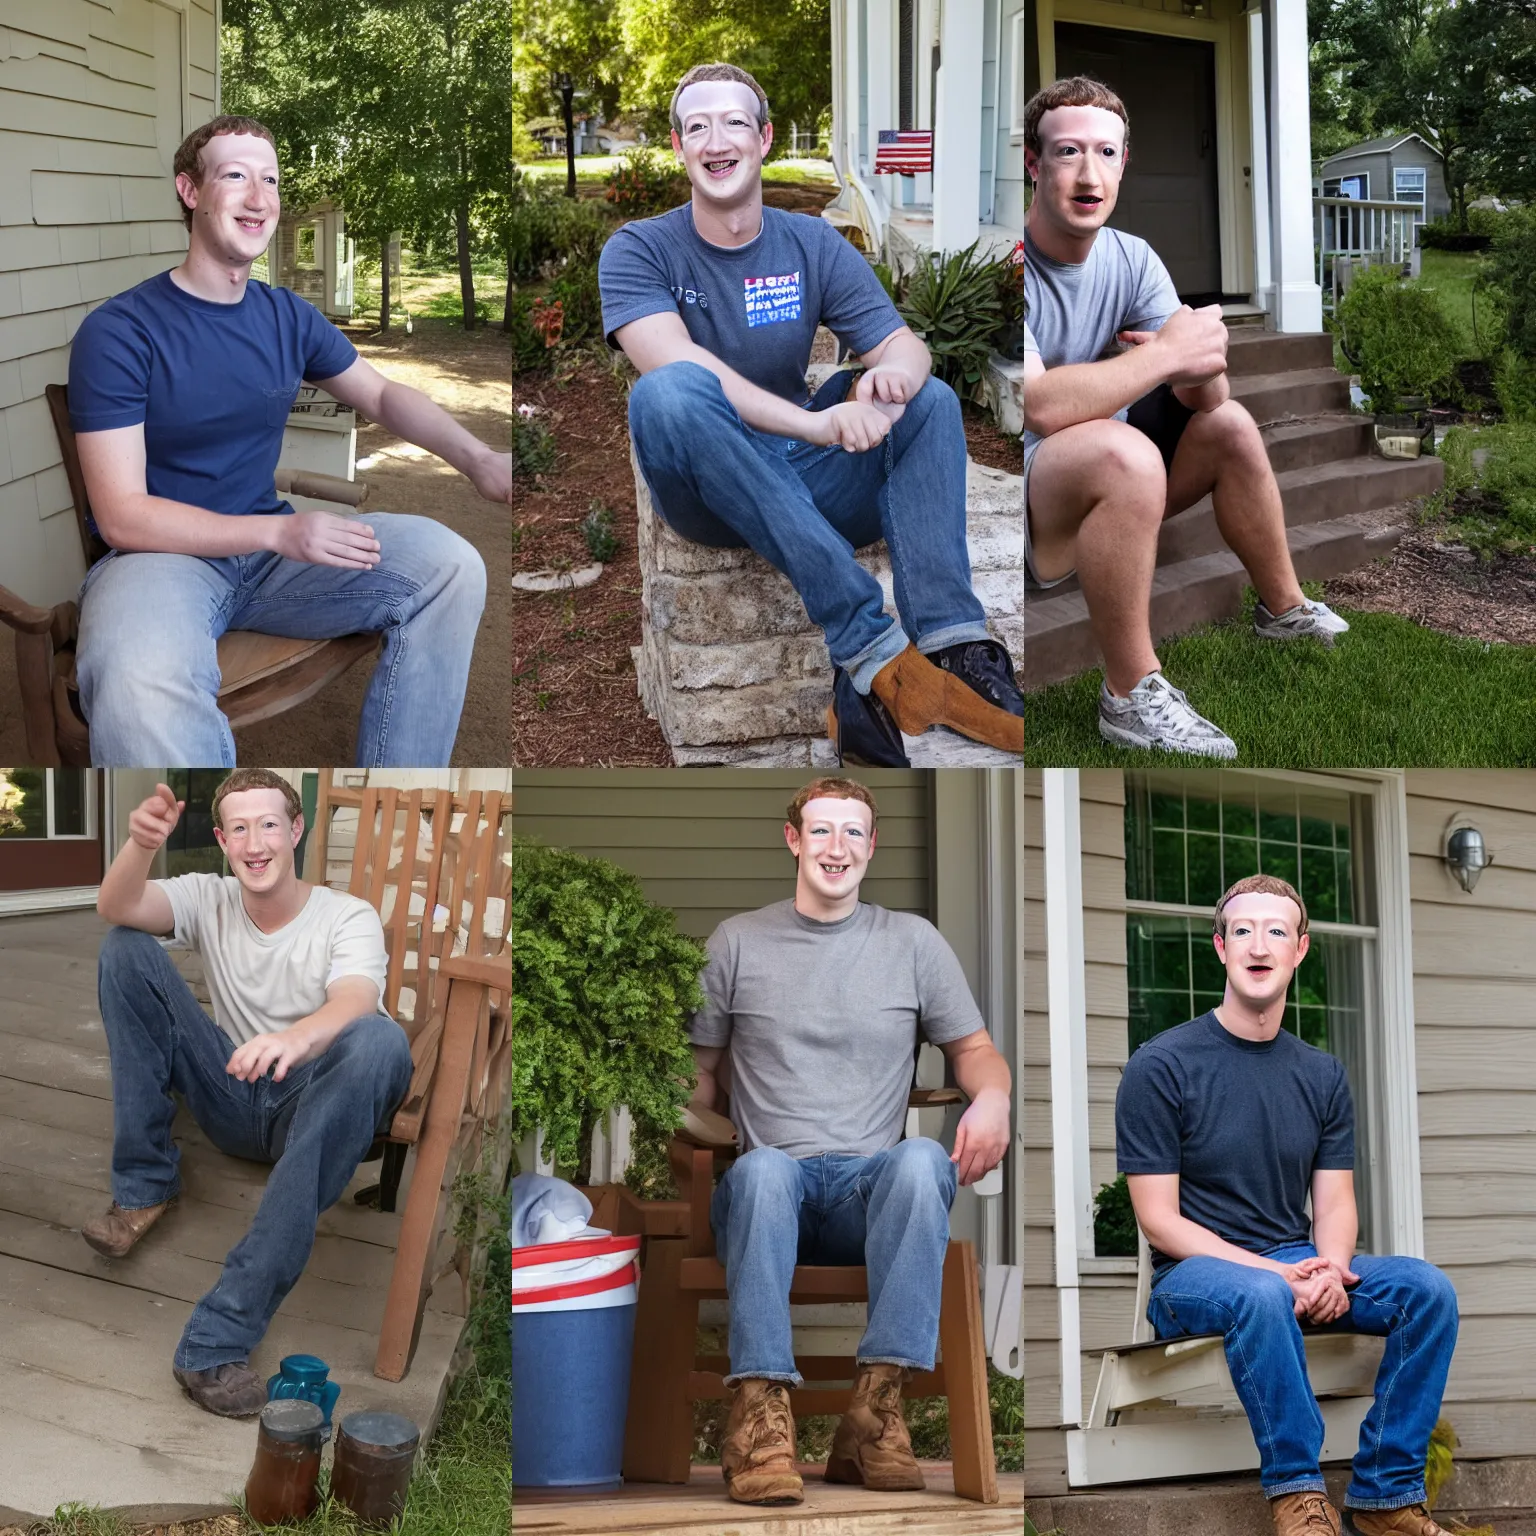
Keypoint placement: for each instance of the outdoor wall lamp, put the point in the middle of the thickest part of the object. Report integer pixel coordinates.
(1466, 856)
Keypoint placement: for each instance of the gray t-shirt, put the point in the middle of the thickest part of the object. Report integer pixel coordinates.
(754, 306)
(1076, 309)
(822, 1020)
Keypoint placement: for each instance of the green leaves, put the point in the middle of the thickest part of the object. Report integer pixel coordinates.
(956, 305)
(1399, 336)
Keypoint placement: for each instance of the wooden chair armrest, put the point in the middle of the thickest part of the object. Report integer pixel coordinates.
(928, 1098)
(704, 1128)
(321, 487)
(27, 618)
(493, 973)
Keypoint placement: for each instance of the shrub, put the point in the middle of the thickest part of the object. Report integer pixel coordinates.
(597, 530)
(529, 350)
(581, 302)
(1399, 337)
(533, 446)
(1490, 487)
(647, 181)
(1445, 234)
(954, 304)
(549, 227)
(1114, 1221)
(603, 987)
(1510, 280)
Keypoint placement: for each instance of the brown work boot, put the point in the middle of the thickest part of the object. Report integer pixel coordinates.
(1412, 1520)
(116, 1231)
(232, 1391)
(757, 1456)
(871, 1445)
(1304, 1514)
(919, 694)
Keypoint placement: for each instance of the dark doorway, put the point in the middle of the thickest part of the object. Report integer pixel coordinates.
(1169, 196)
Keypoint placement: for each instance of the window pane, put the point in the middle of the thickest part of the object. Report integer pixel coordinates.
(1240, 858)
(69, 800)
(1205, 885)
(1319, 884)
(23, 802)
(1168, 867)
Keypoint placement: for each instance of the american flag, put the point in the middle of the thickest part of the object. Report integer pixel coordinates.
(904, 151)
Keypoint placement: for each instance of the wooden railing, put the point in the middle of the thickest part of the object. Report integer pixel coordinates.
(1366, 233)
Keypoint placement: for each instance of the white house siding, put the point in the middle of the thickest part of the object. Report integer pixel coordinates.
(95, 97)
(1007, 150)
(1474, 960)
(1105, 1301)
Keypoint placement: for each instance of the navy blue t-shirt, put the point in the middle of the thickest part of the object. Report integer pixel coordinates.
(1244, 1124)
(754, 306)
(211, 383)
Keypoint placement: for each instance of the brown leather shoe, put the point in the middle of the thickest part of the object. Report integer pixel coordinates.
(1304, 1514)
(116, 1231)
(1412, 1520)
(757, 1456)
(918, 694)
(232, 1391)
(872, 1445)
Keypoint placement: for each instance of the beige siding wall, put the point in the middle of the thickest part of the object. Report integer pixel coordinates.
(1105, 1305)
(94, 100)
(1474, 961)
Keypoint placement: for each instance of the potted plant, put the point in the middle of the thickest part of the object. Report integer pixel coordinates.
(603, 986)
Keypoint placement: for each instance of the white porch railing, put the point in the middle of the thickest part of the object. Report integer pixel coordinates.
(1367, 233)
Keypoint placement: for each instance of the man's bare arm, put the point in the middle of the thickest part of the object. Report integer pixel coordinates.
(706, 1058)
(1204, 397)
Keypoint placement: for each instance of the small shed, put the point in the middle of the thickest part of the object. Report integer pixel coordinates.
(1398, 168)
(312, 254)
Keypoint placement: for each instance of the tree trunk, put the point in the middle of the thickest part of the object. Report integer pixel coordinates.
(466, 272)
(506, 314)
(566, 92)
(384, 286)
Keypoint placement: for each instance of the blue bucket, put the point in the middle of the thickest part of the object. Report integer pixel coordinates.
(571, 1345)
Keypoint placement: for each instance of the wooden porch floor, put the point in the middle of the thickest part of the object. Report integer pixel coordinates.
(830, 1509)
(88, 1407)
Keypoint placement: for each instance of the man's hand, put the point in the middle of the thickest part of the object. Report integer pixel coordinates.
(492, 477)
(981, 1138)
(322, 538)
(853, 425)
(150, 823)
(1193, 340)
(1318, 1287)
(281, 1050)
(888, 387)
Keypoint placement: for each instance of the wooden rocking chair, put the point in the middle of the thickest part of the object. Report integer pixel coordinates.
(680, 1271)
(435, 866)
(263, 675)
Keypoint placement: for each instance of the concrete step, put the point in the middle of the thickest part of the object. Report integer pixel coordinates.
(1316, 440)
(1292, 392)
(1204, 589)
(1252, 350)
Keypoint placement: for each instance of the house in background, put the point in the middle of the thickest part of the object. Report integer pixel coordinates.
(1398, 168)
(1421, 986)
(312, 254)
(710, 844)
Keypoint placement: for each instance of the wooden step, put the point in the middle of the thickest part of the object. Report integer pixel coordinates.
(1294, 392)
(1204, 589)
(1251, 350)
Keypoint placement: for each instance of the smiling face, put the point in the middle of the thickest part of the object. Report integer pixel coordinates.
(1077, 171)
(236, 203)
(258, 839)
(832, 846)
(720, 143)
(1262, 948)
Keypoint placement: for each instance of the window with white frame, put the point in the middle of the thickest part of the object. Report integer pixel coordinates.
(1190, 835)
(1409, 185)
(1356, 187)
(53, 803)
(1016, 55)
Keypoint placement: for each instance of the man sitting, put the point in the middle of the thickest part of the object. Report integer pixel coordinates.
(717, 303)
(297, 1067)
(1117, 439)
(1224, 1127)
(820, 1000)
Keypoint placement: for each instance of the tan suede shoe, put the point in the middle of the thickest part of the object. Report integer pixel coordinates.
(1304, 1514)
(918, 694)
(872, 1445)
(116, 1231)
(1413, 1520)
(757, 1456)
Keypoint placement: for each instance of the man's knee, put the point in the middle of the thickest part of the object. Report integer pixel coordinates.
(1429, 1288)
(765, 1168)
(127, 952)
(1111, 461)
(936, 399)
(1230, 430)
(375, 1045)
(671, 395)
(1263, 1295)
(921, 1162)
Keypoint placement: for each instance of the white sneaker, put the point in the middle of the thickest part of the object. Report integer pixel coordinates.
(1156, 714)
(1317, 620)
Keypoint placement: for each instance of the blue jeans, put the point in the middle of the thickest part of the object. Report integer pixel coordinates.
(805, 509)
(315, 1127)
(889, 1212)
(150, 626)
(1407, 1301)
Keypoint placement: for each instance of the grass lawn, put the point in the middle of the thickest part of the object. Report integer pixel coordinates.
(594, 169)
(1450, 274)
(1389, 694)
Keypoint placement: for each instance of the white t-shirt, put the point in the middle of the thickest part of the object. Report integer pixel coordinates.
(262, 982)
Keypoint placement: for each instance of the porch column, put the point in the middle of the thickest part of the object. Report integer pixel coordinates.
(957, 127)
(880, 73)
(1258, 180)
(1298, 299)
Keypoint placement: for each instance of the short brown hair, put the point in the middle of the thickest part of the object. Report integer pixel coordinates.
(189, 158)
(1265, 885)
(243, 779)
(719, 72)
(831, 789)
(1074, 91)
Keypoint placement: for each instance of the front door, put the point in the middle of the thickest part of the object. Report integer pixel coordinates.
(1169, 196)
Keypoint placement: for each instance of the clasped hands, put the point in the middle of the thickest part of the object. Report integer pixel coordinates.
(879, 400)
(1318, 1288)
